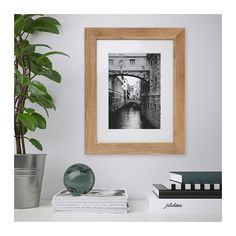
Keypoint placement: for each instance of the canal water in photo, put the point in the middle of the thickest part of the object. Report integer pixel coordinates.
(128, 117)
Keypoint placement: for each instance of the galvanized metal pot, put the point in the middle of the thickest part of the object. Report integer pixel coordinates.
(28, 174)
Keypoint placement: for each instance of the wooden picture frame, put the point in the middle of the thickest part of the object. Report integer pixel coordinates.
(177, 35)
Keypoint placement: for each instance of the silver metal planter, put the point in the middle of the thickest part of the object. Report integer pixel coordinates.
(28, 173)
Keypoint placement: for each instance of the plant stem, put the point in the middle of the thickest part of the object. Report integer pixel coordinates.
(19, 105)
(27, 36)
(22, 140)
(17, 136)
(18, 147)
(28, 74)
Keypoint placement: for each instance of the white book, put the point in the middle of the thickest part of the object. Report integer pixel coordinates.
(80, 199)
(84, 200)
(96, 194)
(183, 206)
(90, 205)
(89, 210)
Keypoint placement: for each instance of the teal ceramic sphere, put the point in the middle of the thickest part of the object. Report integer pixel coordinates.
(79, 179)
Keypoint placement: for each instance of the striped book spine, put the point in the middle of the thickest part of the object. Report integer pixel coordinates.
(188, 191)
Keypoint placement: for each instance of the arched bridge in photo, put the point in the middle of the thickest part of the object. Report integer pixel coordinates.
(136, 65)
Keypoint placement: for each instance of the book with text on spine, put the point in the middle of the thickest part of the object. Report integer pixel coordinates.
(183, 206)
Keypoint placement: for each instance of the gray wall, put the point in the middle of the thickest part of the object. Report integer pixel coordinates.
(64, 138)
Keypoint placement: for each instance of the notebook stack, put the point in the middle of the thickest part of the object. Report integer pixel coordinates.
(187, 192)
(98, 200)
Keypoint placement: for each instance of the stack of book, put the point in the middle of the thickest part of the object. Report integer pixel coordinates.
(98, 200)
(188, 192)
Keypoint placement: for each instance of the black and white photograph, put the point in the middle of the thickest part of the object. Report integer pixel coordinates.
(134, 90)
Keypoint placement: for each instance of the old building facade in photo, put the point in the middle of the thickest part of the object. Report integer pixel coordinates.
(116, 93)
(151, 92)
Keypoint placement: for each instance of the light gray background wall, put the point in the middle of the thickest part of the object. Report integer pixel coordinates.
(64, 138)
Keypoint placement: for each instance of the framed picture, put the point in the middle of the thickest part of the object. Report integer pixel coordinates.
(134, 90)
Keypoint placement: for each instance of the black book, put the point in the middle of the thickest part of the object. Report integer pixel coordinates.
(196, 177)
(162, 192)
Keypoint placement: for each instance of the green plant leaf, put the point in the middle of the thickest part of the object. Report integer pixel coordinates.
(37, 88)
(46, 24)
(19, 25)
(49, 98)
(29, 23)
(16, 16)
(31, 98)
(24, 47)
(36, 143)
(23, 79)
(47, 28)
(24, 130)
(50, 20)
(36, 68)
(28, 28)
(21, 128)
(56, 76)
(41, 45)
(51, 74)
(41, 122)
(27, 120)
(46, 111)
(16, 51)
(51, 53)
(45, 62)
(28, 50)
(24, 43)
(44, 101)
(29, 110)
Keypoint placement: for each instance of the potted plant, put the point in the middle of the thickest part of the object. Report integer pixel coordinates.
(30, 66)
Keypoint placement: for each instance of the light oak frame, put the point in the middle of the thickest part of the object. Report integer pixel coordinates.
(91, 37)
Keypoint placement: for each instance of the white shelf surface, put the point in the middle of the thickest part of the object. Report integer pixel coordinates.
(138, 212)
